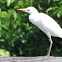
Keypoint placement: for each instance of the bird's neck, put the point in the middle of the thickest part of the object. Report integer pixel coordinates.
(34, 13)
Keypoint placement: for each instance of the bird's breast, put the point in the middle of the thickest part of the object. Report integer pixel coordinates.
(37, 22)
(34, 19)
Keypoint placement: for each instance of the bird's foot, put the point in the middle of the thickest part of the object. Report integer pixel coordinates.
(47, 55)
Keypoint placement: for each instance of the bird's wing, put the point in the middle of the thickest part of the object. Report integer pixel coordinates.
(50, 24)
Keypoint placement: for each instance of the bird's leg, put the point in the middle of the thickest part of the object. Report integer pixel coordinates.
(51, 42)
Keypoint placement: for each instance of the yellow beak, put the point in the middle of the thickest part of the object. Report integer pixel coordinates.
(23, 9)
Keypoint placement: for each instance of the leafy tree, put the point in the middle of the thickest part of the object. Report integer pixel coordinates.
(18, 37)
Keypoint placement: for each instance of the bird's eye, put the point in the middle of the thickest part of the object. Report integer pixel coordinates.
(28, 9)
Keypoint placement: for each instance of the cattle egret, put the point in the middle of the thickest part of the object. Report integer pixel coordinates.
(45, 23)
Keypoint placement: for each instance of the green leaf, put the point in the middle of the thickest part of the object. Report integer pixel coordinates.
(24, 41)
(57, 10)
(49, 1)
(15, 15)
(40, 7)
(55, 0)
(15, 26)
(2, 40)
(59, 14)
(4, 53)
(12, 1)
(8, 2)
(60, 2)
(49, 9)
(5, 27)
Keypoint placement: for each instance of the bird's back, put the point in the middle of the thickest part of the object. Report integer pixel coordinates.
(46, 24)
(51, 25)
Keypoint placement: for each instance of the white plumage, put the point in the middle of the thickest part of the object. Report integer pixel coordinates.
(45, 23)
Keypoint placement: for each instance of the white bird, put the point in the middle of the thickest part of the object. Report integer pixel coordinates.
(45, 23)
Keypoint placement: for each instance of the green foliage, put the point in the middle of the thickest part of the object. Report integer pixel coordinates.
(4, 53)
(18, 37)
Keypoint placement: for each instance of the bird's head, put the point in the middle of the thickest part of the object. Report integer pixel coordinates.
(30, 10)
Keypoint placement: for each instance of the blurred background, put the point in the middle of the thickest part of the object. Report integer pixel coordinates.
(18, 37)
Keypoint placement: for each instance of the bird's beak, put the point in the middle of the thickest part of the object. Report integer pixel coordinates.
(23, 9)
